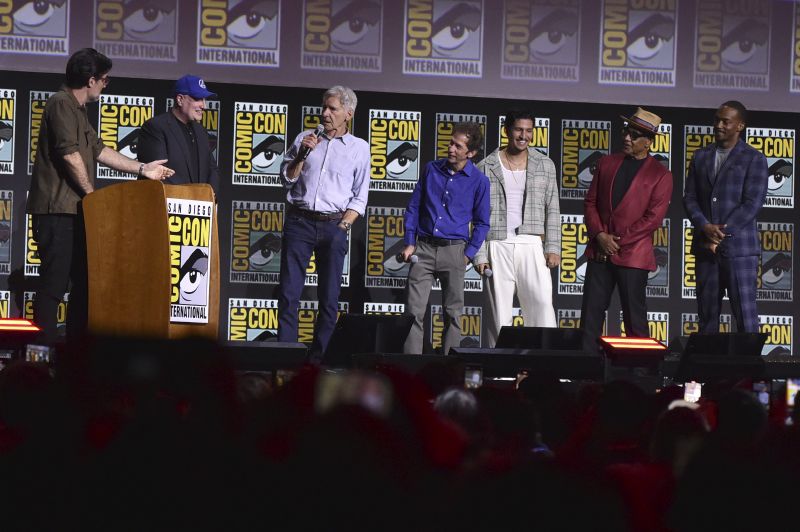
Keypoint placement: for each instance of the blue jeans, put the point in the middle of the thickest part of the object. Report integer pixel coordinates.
(301, 237)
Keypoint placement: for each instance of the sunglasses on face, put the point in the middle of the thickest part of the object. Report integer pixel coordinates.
(633, 133)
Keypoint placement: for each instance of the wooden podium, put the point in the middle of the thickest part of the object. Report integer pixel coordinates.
(129, 260)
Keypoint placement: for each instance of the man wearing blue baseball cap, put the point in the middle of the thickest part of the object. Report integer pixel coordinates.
(179, 137)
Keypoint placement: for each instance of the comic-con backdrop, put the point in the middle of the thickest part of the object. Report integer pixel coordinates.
(655, 52)
(250, 127)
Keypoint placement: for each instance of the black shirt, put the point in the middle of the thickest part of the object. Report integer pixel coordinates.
(194, 155)
(622, 181)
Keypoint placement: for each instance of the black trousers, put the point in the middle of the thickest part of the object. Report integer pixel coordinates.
(62, 251)
(598, 286)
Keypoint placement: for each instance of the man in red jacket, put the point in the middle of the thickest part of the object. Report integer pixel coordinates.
(626, 202)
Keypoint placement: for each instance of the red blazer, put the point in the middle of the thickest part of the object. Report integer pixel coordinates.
(636, 217)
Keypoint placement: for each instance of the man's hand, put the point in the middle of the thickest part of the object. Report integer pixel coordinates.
(310, 142)
(407, 252)
(714, 233)
(552, 260)
(480, 268)
(608, 243)
(466, 261)
(157, 171)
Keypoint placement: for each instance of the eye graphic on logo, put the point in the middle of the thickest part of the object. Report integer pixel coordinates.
(143, 17)
(391, 264)
(742, 43)
(648, 38)
(192, 277)
(587, 167)
(661, 262)
(401, 159)
(250, 20)
(267, 155)
(580, 271)
(350, 25)
(6, 133)
(551, 34)
(779, 173)
(779, 350)
(263, 250)
(662, 159)
(454, 28)
(35, 16)
(128, 146)
(774, 270)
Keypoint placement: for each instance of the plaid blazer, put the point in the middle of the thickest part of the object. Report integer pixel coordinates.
(541, 211)
(734, 197)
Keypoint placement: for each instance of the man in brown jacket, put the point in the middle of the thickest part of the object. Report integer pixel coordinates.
(63, 173)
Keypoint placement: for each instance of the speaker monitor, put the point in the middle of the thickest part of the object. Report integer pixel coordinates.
(366, 333)
(540, 338)
(266, 356)
(722, 356)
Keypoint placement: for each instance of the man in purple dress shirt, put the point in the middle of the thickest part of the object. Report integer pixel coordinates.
(327, 177)
(451, 194)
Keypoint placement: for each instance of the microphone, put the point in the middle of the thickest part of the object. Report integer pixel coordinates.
(488, 272)
(304, 151)
(413, 259)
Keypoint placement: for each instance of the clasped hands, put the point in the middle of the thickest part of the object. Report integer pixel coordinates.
(714, 235)
(608, 245)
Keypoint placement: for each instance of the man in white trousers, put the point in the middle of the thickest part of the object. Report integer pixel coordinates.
(524, 239)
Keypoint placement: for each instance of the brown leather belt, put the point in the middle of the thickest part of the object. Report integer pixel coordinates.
(439, 242)
(314, 215)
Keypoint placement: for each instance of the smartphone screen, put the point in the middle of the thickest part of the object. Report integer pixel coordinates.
(473, 378)
(692, 391)
(371, 391)
(761, 392)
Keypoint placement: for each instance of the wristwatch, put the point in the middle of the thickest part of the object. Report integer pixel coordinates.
(141, 167)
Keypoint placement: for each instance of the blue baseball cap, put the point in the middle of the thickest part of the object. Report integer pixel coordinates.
(193, 86)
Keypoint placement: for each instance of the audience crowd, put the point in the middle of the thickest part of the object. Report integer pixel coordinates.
(141, 436)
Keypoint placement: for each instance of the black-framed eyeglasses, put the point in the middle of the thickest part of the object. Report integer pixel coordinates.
(634, 134)
(105, 80)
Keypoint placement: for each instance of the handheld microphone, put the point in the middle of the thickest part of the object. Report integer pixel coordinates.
(488, 272)
(304, 151)
(413, 259)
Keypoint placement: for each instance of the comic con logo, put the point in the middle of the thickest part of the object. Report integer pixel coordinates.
(28, 299)
(32, 260)
(307, 312)
(445, 122)
(688, 274)
(35, 27)
(256, 230)
(657, 325)
(694, 138)
(384, 309)
(541, 40)
(120, 119)
(252, 320)
(342, 35)
(469, 321)
(661, 148)
(637, 42)
(540, 137)
(776, 261)
(777, 145)
(779, 334)
(571, 319)
(8, 104)
(394, 140)
(690, 323)
(189, 224)
(658, 280)
(6, 226)
(583, 143)
(239, 32)
(5, 298)
(443, 38)
(38, 100)
(137, 30)
(385, 233)
(210, 122)
(259, 132)
(732, 44)
(572, 270)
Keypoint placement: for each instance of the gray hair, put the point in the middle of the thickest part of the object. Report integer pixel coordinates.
(345, 95)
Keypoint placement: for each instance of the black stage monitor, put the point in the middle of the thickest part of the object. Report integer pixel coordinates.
(725, 344)
(366, 333)
(540, 338)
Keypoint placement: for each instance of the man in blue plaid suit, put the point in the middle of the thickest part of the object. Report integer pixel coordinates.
(725, 190)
